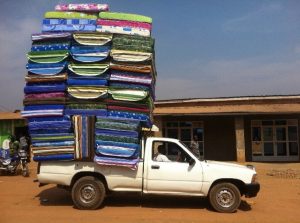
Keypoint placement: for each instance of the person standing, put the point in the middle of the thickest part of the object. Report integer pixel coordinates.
(14, 146)
(24, 145)
(195, 146)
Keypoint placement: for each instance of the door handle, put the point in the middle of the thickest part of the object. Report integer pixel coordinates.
(155, 167)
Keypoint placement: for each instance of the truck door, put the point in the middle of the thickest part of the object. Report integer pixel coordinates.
(168, 170)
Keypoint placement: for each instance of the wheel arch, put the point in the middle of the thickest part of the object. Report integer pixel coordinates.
(238, 183)
(97, 175)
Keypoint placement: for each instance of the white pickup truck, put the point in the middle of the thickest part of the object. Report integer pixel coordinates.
(182, 175)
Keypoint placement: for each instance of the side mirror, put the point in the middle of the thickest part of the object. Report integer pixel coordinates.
(191, 162)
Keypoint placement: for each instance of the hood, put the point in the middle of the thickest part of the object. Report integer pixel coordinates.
(228, 165)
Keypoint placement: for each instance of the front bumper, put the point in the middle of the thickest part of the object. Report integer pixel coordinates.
(251, 190)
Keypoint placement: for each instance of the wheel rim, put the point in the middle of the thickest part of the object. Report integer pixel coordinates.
(225, 198)
(87, 193)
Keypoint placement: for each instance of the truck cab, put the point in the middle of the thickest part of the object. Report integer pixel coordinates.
(181, 174)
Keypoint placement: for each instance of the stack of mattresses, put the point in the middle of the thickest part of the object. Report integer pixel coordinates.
(88, 74)
(45, 97)
(131, 88)
(46, 103)
(90, 85)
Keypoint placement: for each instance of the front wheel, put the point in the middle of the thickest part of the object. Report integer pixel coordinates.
(225, 197)
(88, 193)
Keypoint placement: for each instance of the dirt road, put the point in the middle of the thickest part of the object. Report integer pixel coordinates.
(21, 200)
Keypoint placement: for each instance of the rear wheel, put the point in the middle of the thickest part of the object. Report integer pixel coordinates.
(88, 193)
(225, 197)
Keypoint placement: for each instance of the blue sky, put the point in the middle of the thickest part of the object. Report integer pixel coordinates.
(211, 48)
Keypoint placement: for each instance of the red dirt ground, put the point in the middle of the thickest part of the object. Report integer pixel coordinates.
(21, 200)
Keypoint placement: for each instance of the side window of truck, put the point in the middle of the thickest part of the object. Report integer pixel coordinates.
(163, 151)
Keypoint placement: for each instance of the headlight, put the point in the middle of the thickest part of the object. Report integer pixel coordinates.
(254, 178)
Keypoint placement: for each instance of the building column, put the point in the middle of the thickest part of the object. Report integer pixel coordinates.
(240, 139)
(158, 122)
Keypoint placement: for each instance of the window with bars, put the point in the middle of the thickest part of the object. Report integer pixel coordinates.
(274, 138)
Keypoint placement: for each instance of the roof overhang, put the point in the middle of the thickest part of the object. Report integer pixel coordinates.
(10, 116)
(229, 106)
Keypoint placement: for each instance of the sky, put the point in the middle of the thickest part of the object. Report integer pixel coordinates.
(203, 48)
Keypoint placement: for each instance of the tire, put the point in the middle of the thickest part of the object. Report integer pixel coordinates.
(88, 193)
(225, 197)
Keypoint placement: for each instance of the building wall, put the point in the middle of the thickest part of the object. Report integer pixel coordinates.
(219, 140)
(219, 135)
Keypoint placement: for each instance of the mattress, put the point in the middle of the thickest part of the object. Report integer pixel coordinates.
(128, 115)
(94, 39)
(136, 104)
(133, 67)
(53, 157)
(72, 81)
(122, 30)
(127, 94)
(114, 132)
(124, 23)
(116, 149)
(128, 108)
(42, 110)
(44, 101)
(90, 69)
(49, 125)
(68, 15)
(86, 7)
(68, 25)
(125, 16)
(90, 92)
(117, 124)
(54, 143)
(130, 56)
(89, 53)
(55, 56)
(45, 95)
(46, 68)
(52, 137)
(49, 46)
(51, 36)
(44, 87)
(88, 112)
(130, 77)
(84, 136)
(113, 161)
(52, 150)
(91, 105)
(133, 43)
(105, 137)
(29, 78)
(133, 86)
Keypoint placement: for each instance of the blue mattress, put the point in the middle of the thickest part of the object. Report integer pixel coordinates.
(44, 88)
(46, 68)
(93, 112)
(132, 134)
(39, 143)
(54, 157)
(72, 81)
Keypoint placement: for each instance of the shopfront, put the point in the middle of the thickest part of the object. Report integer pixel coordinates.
(234, 129)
